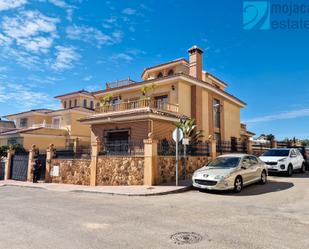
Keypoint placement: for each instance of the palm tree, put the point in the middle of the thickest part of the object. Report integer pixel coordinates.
(188, 127)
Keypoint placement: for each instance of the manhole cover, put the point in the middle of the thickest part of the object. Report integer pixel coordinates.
(186, 238)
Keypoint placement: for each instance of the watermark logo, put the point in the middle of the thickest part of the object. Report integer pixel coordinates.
(256, 15)
(266, 15)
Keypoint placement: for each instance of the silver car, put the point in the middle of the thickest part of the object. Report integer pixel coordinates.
(232, 171)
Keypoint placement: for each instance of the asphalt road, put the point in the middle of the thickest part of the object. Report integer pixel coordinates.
(275, 215)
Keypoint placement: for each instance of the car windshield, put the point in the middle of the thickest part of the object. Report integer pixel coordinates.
(277, 153)
(225, 162)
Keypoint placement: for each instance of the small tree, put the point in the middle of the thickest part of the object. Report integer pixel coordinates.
(106, 99)
(189, 129)
(146, 91)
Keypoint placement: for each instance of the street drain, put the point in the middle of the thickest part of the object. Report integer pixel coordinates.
(186, 238)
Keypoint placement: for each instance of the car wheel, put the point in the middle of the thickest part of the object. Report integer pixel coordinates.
(303, 168)
(263, 177)
(290, 170)
(238, 184)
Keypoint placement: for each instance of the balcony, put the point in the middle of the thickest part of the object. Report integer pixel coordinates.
(45, 125)
(119, 83)
(138, 104)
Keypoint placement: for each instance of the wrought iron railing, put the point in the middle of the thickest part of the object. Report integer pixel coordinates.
(168, 148)
(119, 83)
(83, 152)
(224, 147)
(122, 148)
(142, 103)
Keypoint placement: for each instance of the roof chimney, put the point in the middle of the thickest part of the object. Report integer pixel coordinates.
(195, 62)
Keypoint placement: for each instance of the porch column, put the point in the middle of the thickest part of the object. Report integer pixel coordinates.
(95, 148)
(274, 144)
(150, 165)
(32, 153)
(7, 171)
(250, 146)
(213, 148)
(76, 145)
(49, 156)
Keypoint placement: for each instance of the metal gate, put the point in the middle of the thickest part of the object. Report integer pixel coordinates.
(19, 167)
(2, 168)
(42, 159)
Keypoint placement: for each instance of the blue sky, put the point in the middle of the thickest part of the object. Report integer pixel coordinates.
(50, 47)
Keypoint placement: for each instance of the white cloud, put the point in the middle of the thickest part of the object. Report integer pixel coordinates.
(87, 78)
(65, 58)
(30, 30)
(93, 88)
(11, 4)
(22, 96)
(59, 3)
(129, 11)
(280, 116)
(62, 4)
(122, 56)
(93, 35)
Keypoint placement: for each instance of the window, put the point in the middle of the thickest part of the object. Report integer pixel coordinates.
(56, 123)
(70, 104)
(64, 104)
(217, 113)
(98, 104)
(91, 104)
(75, 102)
(160, 75)
(253, 160)
(170, 72)
(161, 102)
(293, 153)
(85, 103)
(23, 122)
(218, 138)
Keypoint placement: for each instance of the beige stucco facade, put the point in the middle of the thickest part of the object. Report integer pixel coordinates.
(185, 91)
(43, 127)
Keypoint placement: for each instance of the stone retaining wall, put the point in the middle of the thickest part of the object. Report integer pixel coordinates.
(72, 171)
(167, 167)
(118, 170)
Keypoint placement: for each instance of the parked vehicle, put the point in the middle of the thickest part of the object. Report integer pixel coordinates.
(305, 153)
(231, 171)
(285, 160)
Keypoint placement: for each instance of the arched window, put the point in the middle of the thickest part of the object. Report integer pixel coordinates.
(65, 105)
(170, 72)
(70, 103)
(75, 103)
(160, 75)
(91, 104)
(85, 103)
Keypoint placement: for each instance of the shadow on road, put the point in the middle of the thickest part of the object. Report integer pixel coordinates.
(296, 175)
(256, 189)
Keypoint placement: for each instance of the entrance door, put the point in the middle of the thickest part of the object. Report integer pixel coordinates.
(19, 167)
(2, 167)
(42, 159)
(117, 142)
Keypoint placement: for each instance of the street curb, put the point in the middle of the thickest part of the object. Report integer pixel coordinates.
(176, 191)
(22, 186)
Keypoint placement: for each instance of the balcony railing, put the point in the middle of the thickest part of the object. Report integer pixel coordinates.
(45, 125)
(119, 83)
(131, 105)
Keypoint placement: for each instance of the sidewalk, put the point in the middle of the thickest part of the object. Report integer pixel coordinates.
(111, 190)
